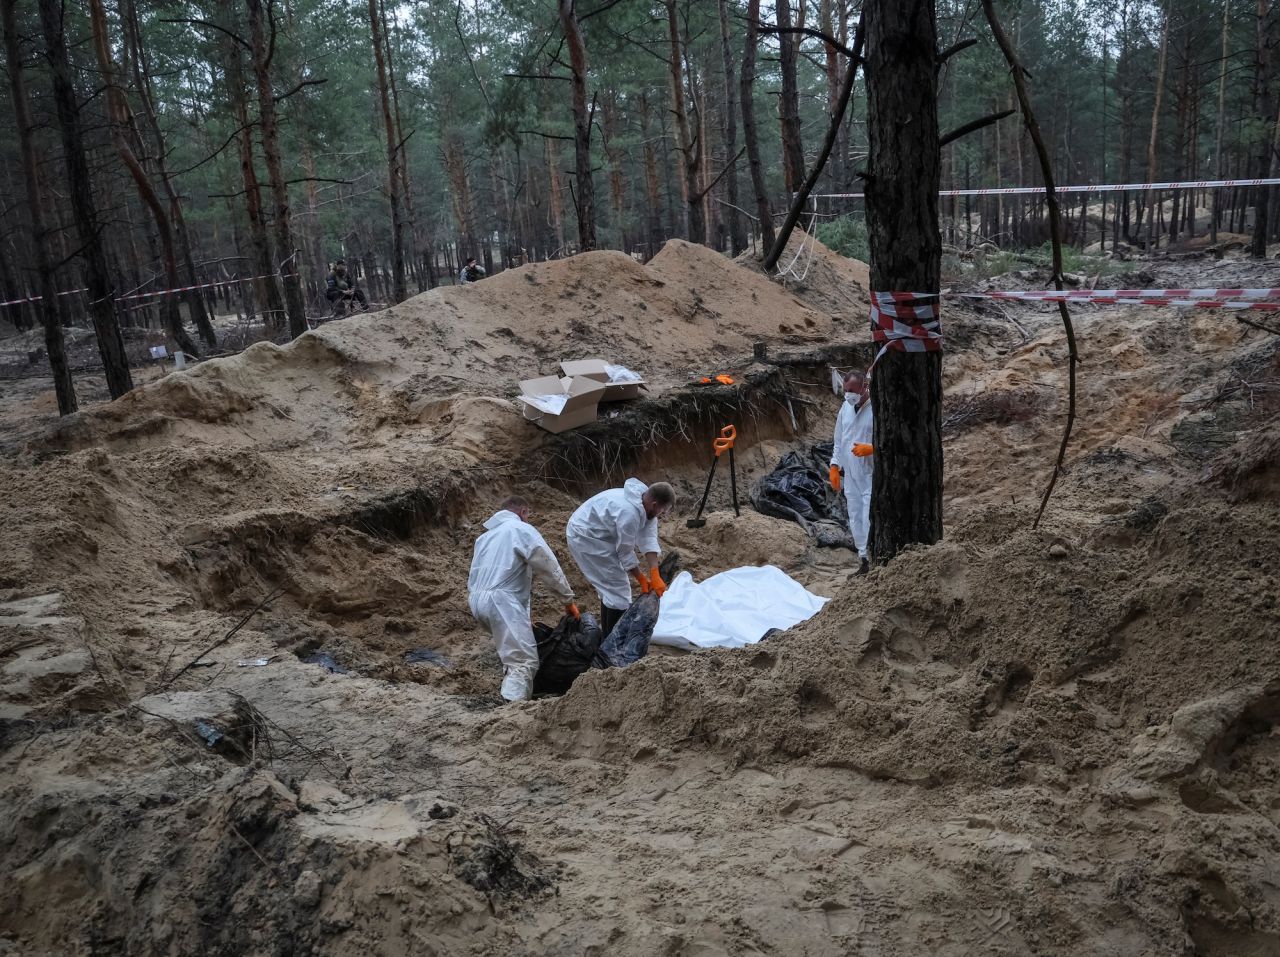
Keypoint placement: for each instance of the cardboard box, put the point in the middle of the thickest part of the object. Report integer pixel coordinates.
(581, 396)
(597, 369)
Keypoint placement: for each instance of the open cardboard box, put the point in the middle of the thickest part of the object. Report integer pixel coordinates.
(581, 397)
(597, 369)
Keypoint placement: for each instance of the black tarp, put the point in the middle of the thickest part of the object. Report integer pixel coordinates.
(798, 490)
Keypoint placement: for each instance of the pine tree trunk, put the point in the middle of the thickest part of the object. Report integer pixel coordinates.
(46, 307)
(831, 70)
(555, 194)
(750, 139)
(263, 51)
(1153, 238)
(690, 149)
(789, 102)
(406, 188)
(617, 184)
(182, 235)
(118, 118)
(1219, 123)
(733, 217)
(259, 237)
(399, 291)
(115, 362)
(653, 197)
(586, 191)
(1262, 102)
(906, 256)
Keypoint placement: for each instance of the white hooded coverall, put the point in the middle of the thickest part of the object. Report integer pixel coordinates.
(605, 534)
(507, 558)
(853, 426)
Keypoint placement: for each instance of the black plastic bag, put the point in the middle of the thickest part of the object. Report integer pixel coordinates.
(564, 652)
(799, 490)
(629, 640)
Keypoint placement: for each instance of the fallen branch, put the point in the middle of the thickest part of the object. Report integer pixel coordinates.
(1055, 234)
(271, 596)
(837, 118)
(1258, 325)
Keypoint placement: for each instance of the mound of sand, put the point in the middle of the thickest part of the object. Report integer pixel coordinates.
(821, 279)
(1013, 742)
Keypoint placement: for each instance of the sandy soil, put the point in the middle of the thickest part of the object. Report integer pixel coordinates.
(1052, 741)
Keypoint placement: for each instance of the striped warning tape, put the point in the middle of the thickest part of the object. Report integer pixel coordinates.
(1088, 188)
(1238, 298)
(1216, 298)
(153, 294)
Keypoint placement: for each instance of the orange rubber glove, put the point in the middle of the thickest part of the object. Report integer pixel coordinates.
(863, 449)
(641, 579)
(572, 609)
(656, 583)
(834, 477)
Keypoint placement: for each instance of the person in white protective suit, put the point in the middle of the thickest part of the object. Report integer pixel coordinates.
(851, 458)
(607, 535)
(508, 557)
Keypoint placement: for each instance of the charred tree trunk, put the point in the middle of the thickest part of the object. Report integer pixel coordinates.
(751, 140)
(47, 306)
(83, 209)
(399, 291)
(262, 39)
(582, 117)
(906, 256)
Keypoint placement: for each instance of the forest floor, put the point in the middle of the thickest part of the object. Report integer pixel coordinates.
(1056, 741)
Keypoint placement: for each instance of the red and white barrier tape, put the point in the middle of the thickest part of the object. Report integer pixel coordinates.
(1266, 299)
(14, 302)
(906, 321)
(155, 292)
(167, 292)
(1089, 188)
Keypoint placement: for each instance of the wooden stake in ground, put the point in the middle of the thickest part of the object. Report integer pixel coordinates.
(903, 173)
(1055, 236)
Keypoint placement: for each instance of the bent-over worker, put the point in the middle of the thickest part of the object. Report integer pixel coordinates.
(508, 557)
(851, 458)
(605, 534)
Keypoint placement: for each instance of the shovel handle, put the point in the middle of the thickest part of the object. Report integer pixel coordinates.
(728, 435)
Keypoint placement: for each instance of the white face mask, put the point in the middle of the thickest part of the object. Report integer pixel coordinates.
(852, 397)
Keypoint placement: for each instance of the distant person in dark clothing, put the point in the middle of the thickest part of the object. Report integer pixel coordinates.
(341, 288)
(471, 272)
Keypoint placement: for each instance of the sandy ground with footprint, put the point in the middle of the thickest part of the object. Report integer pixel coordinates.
(1052, 741)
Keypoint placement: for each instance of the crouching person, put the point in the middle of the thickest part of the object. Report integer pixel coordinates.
(508, 557)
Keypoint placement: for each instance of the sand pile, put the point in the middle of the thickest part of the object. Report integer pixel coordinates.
(1013, 742)
(821, 279)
